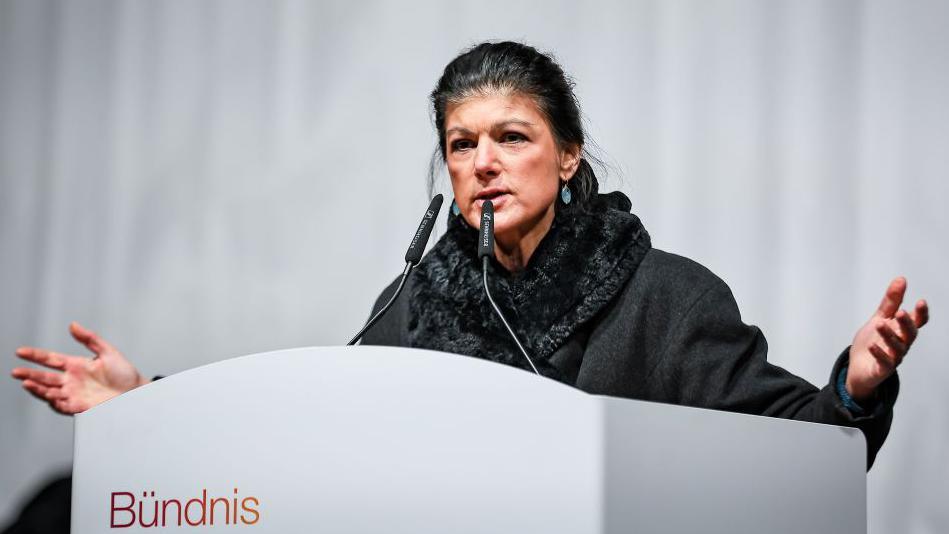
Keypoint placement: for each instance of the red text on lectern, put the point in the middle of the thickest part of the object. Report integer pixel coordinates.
(150, 511)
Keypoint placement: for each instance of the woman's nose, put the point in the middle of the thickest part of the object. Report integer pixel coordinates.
(486, 159)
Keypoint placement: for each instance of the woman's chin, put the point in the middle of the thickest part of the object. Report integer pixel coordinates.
(503, 224)
(510, 221)
(504, 213)
(515, 223)
(508, 229)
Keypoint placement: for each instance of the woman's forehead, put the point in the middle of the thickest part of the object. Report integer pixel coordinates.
(479, 112)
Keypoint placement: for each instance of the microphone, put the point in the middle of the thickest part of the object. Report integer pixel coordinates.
(417, 246)
(486, 253)
(486, 234)
(412, 258)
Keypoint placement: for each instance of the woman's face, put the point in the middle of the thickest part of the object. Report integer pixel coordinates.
(500, 148)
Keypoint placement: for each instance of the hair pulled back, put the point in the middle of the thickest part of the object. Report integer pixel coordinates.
(516, 68)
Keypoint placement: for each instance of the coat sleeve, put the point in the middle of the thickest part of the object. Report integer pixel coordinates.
(713, 360)
(388, 331)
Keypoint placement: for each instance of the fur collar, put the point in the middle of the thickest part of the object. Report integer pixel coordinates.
(580, 265)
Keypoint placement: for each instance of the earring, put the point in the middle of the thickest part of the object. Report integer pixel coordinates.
(455, 210)
(565, 195)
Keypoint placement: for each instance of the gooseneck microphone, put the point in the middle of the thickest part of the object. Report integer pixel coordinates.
(486, 252)
(412, 257)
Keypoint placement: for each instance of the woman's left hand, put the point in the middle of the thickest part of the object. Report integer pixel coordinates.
(882, 343)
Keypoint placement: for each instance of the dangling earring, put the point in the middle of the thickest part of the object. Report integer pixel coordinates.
(565, 195)
(455, 210)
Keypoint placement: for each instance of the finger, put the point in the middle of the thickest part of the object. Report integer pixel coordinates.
(42, 392)
(42, 357)
(892, 341)
(31, 389)
(883, 359)
(64, 406)
(90, 339)
(39, 376)
(908, 330)
(892, 298)
(921, 313)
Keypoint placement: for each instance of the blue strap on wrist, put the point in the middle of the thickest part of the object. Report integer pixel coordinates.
(848, 401)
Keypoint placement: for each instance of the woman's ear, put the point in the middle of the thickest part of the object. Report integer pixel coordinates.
(569, 161)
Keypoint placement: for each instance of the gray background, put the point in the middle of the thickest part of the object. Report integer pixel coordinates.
(200, 180)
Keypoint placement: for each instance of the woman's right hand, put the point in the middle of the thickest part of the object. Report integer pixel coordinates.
(79, 383)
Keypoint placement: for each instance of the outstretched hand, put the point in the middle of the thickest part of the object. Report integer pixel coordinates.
(881, 344)
(78, 383)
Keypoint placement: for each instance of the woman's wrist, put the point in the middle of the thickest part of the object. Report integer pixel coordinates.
(858, 392)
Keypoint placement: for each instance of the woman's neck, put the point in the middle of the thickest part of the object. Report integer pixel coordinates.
(514, 249)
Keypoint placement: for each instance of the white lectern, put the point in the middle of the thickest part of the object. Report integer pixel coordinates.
(373, 439)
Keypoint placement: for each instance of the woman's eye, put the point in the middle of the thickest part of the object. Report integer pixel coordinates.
(512, 137)
(461, 144)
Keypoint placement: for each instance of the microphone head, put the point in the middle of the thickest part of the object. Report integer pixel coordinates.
(417, 247)
(486, 235)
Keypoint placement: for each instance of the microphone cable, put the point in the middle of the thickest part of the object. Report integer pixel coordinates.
(412, 258)
(486, 252)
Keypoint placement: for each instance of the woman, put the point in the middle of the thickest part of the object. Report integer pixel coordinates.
(595, 304)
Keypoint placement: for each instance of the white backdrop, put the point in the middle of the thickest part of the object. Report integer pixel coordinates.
(200, 180)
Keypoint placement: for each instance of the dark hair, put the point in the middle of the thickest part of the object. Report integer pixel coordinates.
(516, 68)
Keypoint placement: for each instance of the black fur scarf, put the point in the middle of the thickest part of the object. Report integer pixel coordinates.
(584, 260)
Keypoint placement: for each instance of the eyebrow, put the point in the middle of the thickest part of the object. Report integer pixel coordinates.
(495, 126)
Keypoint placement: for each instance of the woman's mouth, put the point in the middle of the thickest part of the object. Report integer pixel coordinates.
(498, 197)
